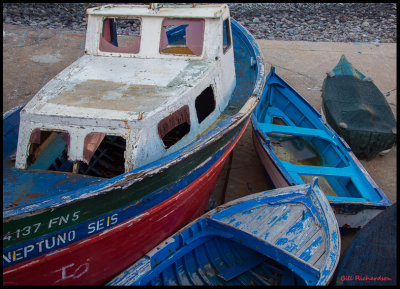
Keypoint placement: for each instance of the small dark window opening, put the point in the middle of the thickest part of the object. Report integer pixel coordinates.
(176, 134)
(174, 127)
(205, 104)
(226, 35)
(108, 160)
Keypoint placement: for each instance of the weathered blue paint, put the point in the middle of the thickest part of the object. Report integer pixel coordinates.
(10, 131)
(81, 188)
(244, 81)
(84, 230)
(354, 188)
(56, 194)
(216, 249)
(245, 41)
(38, 186)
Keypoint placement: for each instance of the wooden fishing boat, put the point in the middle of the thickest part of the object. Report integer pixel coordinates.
(295, 144)
(371, 258)
(358, 111)
(285, 236)
(124, 146)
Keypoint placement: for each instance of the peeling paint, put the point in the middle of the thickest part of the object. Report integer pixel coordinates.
(219, 135)
(212, 235)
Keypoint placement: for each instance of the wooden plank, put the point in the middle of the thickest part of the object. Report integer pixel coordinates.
(272, 221)
(307, 250)
(321, 251)
(296, 211)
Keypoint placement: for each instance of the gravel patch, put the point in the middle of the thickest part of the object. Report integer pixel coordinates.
(331, 22)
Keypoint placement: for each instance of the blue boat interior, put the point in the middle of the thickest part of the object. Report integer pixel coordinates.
(212, 253)
(305, 146)
(285, 236)
(51, 173)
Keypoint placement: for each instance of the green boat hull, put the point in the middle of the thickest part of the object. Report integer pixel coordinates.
(358, 111)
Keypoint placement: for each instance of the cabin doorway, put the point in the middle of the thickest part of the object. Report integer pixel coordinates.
(104, 155)
(48, 150)
(106, 159)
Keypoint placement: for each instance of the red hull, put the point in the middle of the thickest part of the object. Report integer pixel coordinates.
(97, 259)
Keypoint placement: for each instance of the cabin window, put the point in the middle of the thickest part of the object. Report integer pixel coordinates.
(182, 36)
(104, 156)
(120, 35)
(174, 127)
(48, 150)
(226, 35)
(205, 104)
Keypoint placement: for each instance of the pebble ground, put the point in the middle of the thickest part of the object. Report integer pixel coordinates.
(332, 22)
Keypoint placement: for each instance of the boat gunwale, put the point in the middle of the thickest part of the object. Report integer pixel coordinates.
(10, 112)
(164, 162)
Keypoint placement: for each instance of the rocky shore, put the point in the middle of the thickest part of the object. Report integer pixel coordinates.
(332, 22)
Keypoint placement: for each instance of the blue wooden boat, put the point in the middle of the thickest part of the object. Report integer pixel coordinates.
(371, 257)
(295, 144)
(285, 236)
(358, 111)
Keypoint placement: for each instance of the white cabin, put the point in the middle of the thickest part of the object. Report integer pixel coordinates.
(154, 93)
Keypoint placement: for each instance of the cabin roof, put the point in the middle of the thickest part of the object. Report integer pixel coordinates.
(118, 88)
(178, 11)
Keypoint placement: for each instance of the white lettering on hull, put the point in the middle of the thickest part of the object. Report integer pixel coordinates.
(72, 271)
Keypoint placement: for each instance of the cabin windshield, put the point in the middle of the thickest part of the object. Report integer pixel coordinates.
(182, 36)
